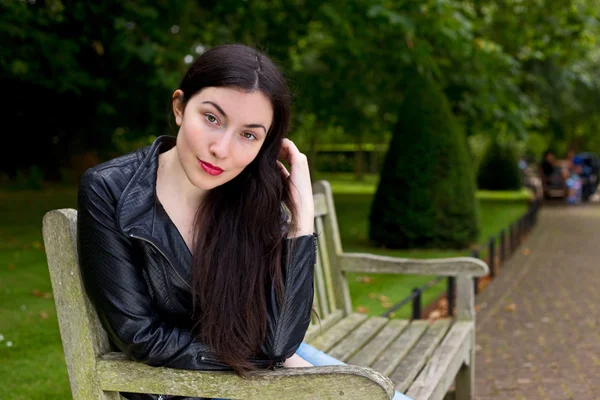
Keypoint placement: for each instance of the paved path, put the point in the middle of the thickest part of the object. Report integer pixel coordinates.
(538, 326)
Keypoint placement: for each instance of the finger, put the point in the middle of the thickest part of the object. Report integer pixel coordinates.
(289, 151)
(283, 169)
(284, 151)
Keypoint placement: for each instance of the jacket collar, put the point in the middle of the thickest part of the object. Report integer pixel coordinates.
(136, 207)
(141, 215)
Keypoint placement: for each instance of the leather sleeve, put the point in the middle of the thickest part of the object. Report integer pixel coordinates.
(288, 320)
(112, 277)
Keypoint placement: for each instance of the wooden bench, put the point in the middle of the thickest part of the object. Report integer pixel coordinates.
(420, 359)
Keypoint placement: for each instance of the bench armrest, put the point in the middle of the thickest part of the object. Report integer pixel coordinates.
(371, 263)
(117, 373)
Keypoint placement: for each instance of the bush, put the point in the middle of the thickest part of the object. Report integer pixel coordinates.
(499, 168)
(426, 194)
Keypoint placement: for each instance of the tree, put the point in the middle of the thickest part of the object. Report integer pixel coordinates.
(426, 194)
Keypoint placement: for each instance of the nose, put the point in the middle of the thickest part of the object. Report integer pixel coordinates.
(219, 147)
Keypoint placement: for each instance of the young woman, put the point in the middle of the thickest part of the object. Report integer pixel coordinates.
(198, 251)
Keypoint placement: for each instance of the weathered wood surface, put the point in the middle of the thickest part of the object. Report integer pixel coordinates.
(400, 347)
(322, 304)
(322, 325)
(438, 374)
(348, 346)
(465, 299)
(333, 247)
(371, 263)
(325, 259)
(407, 370)
(82, 335)
(320, 204)
(379, 343)
(331, 337)
(335, 382)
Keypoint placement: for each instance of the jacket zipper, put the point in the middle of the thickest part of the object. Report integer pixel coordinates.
(164, 255)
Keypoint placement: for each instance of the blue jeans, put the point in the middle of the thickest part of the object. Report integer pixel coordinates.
(319, 359)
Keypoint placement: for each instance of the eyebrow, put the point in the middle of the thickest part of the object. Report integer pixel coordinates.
(219, 109)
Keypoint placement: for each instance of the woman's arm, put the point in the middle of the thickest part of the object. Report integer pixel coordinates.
(288, 321)
(114, 283)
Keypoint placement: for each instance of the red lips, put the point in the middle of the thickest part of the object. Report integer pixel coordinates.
(210, 169)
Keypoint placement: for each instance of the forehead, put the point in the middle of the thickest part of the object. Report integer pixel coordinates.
(239, 106)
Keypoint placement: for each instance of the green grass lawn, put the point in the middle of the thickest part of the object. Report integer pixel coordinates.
(31, 357)
(32, 363)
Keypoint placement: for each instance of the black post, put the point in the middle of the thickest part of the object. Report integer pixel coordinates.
(416, 304)
(476, 279)
(450, 295)
(492, 255)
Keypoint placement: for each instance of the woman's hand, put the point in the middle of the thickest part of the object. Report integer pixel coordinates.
(300, 187)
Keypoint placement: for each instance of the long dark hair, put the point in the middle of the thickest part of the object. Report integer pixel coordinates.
(238, 235)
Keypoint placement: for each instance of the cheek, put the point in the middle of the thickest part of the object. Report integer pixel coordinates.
(192, 132)
(245, 156)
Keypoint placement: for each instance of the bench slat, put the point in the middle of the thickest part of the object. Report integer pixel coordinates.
(391, 357)
(408, 369)
(377, 345)
(357, 338)
(322, 326)
(320, 204)
(320, 294)
(437, 376)
(324, 253)
(330, 338)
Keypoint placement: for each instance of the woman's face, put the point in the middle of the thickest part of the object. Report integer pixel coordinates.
(221, 131)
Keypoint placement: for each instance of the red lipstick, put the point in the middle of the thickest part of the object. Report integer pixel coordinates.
(210, 169)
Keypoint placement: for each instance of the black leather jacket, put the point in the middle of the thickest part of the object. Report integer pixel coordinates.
(136, 270)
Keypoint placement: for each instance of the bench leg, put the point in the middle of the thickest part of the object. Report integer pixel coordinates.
(465, 380)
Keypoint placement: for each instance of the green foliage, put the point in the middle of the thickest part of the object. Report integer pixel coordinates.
(426, 195)
(513, 67)
(499, 168)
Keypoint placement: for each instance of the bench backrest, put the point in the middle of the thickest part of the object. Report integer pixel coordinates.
(82, 335)
(332, 296)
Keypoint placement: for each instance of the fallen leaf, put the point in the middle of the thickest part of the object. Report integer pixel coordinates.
(477, 307)
(362, 310)
(510, 308)
(387, 305)
(436, 314)
(47, 295)
(392, 314)
(36, 293)
(372, 295)
(443, 303)
(383, 299)
(11, 266)
(43, 314)
(526, 251)
(364, 279)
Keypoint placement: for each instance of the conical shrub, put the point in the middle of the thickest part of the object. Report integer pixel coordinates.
(426, 194)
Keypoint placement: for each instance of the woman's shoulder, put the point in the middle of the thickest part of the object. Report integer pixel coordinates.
(112, 175)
